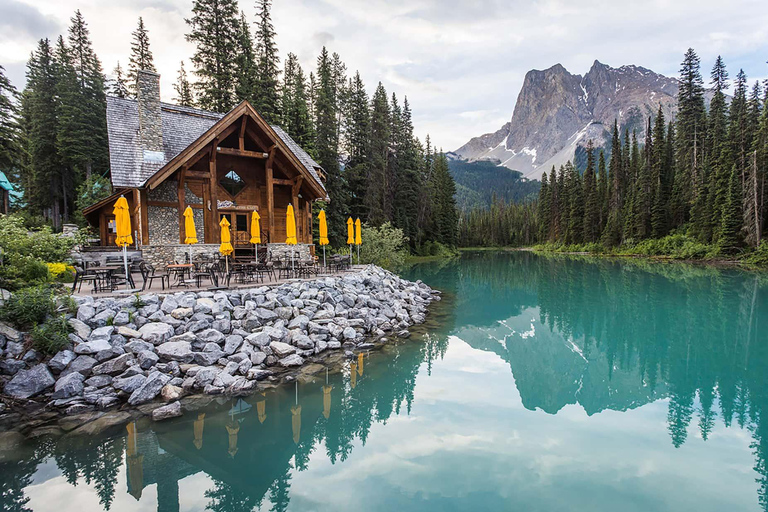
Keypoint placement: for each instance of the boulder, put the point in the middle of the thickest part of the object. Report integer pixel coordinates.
(11, 366)
(102, 423)
(83, 364)
(232, 343)
(69, 386)
(259, 339)
(291, 360)
(101, 333)
(156, 332)
(60, 361)
(223, 380)
(115, 366)
(93, 347)
(281, 349)
(128, 384)
(85, 312)
(28, 383)
(211, 336)
(147, 359)
(81, 328)
(126, 331)
(258, 358)
(169, 304)
(205, 376)
(149, 389)
(172, 410)
(182, 313)
(171, 392)
(176, 351)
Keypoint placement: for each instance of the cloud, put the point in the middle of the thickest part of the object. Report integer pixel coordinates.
(18, 20)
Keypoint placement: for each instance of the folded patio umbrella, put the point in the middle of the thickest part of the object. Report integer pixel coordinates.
(323, 232)
(358, 238)
(123, 228)
(255, 232)
(190, 235)
(226, 242)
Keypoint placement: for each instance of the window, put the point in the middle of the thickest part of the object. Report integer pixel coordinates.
(232, 183)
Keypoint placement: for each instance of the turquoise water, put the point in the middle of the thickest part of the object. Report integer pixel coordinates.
(539, 384)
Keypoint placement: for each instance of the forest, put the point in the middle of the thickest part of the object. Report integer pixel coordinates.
(53, 137)
(696, 181)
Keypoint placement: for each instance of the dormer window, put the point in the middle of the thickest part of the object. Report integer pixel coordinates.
(232, 183)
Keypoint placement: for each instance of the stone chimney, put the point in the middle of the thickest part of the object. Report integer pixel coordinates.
(150, 123)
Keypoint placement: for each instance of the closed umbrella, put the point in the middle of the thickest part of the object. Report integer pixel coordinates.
(323, 232)
(360, 364)
(135, 462)
(261, 410)
(123, 228)
(255, 232)
(290, 229)
(232, 429)
(226, 242)
(350, 236)
(197, 428)
(358, 238)
(353, 374)
(190, 236)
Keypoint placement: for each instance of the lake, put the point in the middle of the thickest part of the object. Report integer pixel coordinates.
(539, 383)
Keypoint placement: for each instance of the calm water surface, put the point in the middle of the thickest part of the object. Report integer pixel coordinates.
(539, 384)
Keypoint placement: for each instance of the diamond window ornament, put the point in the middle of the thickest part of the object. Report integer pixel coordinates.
(232, 183)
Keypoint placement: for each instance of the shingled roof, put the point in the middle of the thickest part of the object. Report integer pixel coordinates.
(131, 166)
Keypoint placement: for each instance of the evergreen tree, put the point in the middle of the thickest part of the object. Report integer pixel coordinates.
(245, 63)
(357, 147)
(446, 218)
(603, 192)
(267, 96)
(575, 232)
(659, 178)
(213, 29)
(118, 86)
(141, 55)
(406, 202)
(612, 234)
(295, 108)
(732, 220)
(184, 94)
(379, 186)
(591, 199)
(554, 206)
(10, 143)
(544, 208)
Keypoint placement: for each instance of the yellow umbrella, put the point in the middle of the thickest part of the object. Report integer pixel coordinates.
(226, 242)
(261, 407)
(353, 374)
(255, 232)
(198, 430)
(296, 422)
(358, 238)
(350, 231)
(123, 228)
(290, 226)
(360, 364)
(323, 232)
(190, 236)
(327, 401)
(135, 462)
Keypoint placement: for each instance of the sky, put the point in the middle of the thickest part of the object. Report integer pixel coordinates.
(461, 63)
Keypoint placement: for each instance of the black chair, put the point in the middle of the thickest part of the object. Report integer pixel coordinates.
(206, 272)
(82, 276)
(149, 275)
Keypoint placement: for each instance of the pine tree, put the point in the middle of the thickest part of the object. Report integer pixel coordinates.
(732, 219)
(554, 206)
(755, 178)
(294, 105)
(659, 178)
(267, 96)
(245, 63)
(612, 233)
(576, 202)
(446, 218)
(213, 29)
(378, 186)
(118, 87)
(357, 147)
(543, 209)
(10, 143)
(184, 94)
(591, 198)
(406, 203)
(141, 56)
(327, 150)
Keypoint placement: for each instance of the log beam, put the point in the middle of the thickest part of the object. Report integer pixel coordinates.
(213, 184)
(242, 152)
(241, 138)
(271, 194)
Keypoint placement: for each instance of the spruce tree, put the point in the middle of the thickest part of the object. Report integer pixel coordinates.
(406, 203)
(213, 30)
(576, 200)
(659, 178)
(612, 233)
(378, 186)
(603, 192)
(118, 86)
(141, 56)
(295, 105)
(554, 206)
(543, 210)
(245, 64)
(591, 199)
(184, 95)
(267, 99)
(10, 143)
(357, 147)
(731, 238)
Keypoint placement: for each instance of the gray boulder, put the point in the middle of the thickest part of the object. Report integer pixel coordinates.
(60, 361)
(211, 336)
(81, 328)
(150, 389)
(176, 351)
(291, 360)
(147, 359)
(28, 383)
(156, 332)
(232, 343)
(171, 410)
(69, 386)
(129, 384)
(93, 347)
(281, 349)
(11, 366)
(82, 364)
(115, 366)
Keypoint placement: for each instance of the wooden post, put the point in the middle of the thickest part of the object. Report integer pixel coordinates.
(308, 222)
(144, 215)
(271, 195)
(182, 205)
(241, 139)
(296, 206)
(214, 185)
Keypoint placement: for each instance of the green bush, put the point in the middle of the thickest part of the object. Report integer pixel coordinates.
(435, 249)
(20, 271)
(51, 336)
(677, 246)
(758, 257)
(42, 243)
(383, 246)
(29, 307)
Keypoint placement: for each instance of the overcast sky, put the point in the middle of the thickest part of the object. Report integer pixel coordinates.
(460, 62)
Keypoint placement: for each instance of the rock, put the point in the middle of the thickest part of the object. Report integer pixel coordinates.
(101, 333)
(232, 343)
(128, 332)
(299, 322)
(182, 313)
(10, 442)
(172, 410)
(176, 351)
(99, 381)
(83, 364)
(349, 333)
(171, 392)
(210, 336)
(223, 380)
(85, 312)
(69, 386)
(121, 318)
(281, 349)
(93, 347)
(150, 389)
(264, 315)
(11, 366)
(129, 384)
(205, 376)
(147, 359)
(169, 304)
(102, 423)
(208, 358)
(28, 383)
(137, 346)
(115, 366)
(259, 339)
(156, 332)
(291, 360)
(242, 386)
(258, 358)
(60, 361)
(258, 374)
(404, 334)
(80, 328)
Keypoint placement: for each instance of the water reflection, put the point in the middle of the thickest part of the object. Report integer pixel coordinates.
(595, 334)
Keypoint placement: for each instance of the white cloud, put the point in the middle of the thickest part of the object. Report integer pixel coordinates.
(449, 57)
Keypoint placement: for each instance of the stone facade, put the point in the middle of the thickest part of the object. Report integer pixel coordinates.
(164, 225)
(160, 255)
(150, 123)
(283, 251)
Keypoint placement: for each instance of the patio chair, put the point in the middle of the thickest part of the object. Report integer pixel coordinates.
(206, 272)
(82, 276)
(149, 275)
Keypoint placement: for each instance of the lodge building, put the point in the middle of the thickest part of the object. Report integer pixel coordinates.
(165, 157)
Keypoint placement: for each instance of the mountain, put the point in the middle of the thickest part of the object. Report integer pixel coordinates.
(558, 112)
(478, 182)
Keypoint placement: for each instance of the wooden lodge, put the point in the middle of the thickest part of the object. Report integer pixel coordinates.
(165, 157)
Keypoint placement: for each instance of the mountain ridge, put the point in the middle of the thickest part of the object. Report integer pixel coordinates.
(557, 111)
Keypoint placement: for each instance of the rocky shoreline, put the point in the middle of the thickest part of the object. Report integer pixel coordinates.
(148, 352)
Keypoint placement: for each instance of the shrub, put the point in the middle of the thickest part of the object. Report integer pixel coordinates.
(20, 271)
(759, 257)
(383, 246)
(677, 246)
(42, 243)
(51, 336)
(437, 249)
(61, 272)
(28, 307)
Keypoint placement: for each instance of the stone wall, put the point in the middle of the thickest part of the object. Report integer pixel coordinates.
(150, 122)
(283, 251)
(163, 225)
(160, 255)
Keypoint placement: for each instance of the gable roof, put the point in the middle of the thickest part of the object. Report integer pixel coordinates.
(131, 166)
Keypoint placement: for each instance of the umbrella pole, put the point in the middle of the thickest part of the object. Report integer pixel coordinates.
(358, 254)
(125, 264)
(324, 257)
